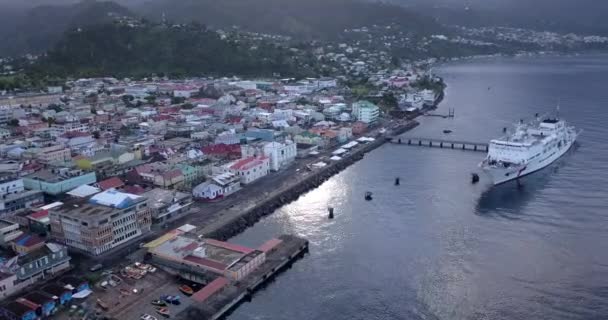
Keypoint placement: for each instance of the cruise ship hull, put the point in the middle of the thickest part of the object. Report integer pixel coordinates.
(501, 175)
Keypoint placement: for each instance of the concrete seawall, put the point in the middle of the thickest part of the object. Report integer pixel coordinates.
(235, 223)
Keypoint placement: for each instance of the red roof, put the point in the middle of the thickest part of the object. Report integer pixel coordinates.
(234, 120)
(213, 287)
(162, 117)
(189, 247)
(28, 303)
(31, 166)
(75, 134)
(222, 149)
(172, 174)
(113, 182)
(204, 101)
(28, 240)
(168, 110)
(248, 163)
(39, 215)
(229, 246)
(144, 168)
(134, 190)
(206, 262)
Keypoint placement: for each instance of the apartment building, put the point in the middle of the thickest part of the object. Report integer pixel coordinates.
(366, 112)
(57, 181)
(14, 197)
(100, 223)
(57, 153)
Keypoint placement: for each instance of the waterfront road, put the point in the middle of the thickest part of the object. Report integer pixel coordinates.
(203, 214)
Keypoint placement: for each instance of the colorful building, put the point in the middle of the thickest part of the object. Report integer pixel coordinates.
(56, 182)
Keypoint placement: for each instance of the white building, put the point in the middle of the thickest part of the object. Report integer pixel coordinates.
(55, 89)
(428, 96)
(220, 186)
(264, 116)
(59, 129)
(283, 114)
(6, 114)
(7, 284)
(9, 231)
(245, 84)
(5, 133)
(325, 83)
(10, 186)
(251, 169)
(366, 112)
(228, 137)
(185, 91)
(199, 135)
(280, 154)
(138, 92)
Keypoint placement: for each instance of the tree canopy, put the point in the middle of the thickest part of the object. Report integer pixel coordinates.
(123, 51)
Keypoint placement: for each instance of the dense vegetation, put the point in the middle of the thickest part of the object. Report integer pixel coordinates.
(117, 50)
(37, 29)
(310, 19)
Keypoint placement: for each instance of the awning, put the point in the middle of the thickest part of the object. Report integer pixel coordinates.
(82, 294)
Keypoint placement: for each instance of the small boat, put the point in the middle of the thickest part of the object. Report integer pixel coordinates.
(187, 290)
(158, 303)
(163, 312)
(447, 131)
(102, 304)
(368, 196)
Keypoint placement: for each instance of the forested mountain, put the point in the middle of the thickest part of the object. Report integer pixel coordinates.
(35, 30)
(310, 19)
(117, 50)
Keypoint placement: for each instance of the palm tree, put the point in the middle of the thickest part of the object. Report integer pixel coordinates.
(50, 121)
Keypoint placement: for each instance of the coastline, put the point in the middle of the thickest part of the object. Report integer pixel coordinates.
(233, 222)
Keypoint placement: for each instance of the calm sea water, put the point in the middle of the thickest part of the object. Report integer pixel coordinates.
(438, 247)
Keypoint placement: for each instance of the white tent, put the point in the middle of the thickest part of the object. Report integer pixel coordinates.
(351, 144)
(82, 294)
(339, 151)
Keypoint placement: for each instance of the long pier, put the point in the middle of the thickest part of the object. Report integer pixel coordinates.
(441, 143)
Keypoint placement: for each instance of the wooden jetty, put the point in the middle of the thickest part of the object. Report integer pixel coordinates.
(445, 116)
(441, 143)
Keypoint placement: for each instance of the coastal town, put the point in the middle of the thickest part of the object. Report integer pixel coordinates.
(120, 192)
(111, 186)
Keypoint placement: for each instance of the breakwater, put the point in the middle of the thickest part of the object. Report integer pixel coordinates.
(235, 222)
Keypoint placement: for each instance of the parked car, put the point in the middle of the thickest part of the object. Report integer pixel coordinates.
(96, 267)
(147, 317)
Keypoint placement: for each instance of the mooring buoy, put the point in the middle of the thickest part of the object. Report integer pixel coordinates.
(474, 178)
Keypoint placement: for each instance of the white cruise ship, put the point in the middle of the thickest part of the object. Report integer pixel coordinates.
(530, 148)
